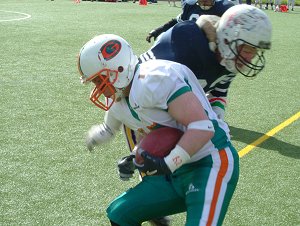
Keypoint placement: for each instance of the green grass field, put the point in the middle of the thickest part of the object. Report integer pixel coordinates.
(47, 177)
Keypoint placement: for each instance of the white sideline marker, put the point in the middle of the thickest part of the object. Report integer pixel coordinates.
(25, 16)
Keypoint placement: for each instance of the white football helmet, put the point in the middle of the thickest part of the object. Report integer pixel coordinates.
(109, 58)
(244, 25)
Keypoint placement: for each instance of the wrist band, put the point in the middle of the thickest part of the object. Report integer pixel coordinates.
(177, 157)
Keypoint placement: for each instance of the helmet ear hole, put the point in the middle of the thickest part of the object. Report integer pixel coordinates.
(120, 69)
(226, 42)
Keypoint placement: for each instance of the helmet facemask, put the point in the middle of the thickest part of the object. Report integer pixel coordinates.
(243, 34)
(248, 67)
(104, 81)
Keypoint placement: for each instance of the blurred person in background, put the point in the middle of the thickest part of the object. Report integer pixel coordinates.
(267, 4)
(191, 11)
(174, 4)
(291, 3)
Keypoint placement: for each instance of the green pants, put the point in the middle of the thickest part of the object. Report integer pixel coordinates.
(202, 189)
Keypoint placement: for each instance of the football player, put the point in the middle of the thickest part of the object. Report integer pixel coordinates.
(192, 12)
(214, 70)
(147, 96)
(188, 44)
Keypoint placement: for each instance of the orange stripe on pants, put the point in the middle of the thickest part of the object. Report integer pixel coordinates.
(221, 174)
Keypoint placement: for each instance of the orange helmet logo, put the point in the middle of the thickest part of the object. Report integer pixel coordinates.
(110, 49)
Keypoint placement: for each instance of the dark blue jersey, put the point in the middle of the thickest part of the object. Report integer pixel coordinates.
(187, 44)
(193, 12)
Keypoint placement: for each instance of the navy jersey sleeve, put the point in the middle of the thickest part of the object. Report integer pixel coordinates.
(156, 32)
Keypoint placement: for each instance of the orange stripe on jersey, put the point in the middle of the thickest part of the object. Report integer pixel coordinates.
(221, 174)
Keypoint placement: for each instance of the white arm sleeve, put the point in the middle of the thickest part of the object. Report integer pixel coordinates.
(99, 134)
(113, 123)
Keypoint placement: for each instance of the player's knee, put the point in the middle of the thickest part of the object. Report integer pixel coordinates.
(113, 213)
(117, 214)
(113, 224)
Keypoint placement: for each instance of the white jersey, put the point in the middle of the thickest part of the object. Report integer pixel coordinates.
(155, 84)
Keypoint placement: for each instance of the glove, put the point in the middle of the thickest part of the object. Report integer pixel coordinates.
(126, 168)
(152, 34)
(153, 165)
(97, 135)
(212, 46)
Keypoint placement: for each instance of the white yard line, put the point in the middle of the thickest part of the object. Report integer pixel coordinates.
(24, 16)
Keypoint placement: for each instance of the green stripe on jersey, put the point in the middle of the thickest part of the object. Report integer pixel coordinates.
(134, 114)
(220, 139)
(179, 92)
(218, 104)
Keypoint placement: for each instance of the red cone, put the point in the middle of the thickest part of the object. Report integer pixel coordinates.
(143, 2)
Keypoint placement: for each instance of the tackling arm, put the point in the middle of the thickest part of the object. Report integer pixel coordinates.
(209, 23)
(156, 32)
(218, 105)
(218, 96)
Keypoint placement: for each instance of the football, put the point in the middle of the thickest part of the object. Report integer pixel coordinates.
(158, 143)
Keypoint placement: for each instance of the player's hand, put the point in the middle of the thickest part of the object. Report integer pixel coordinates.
(97, 135)
(152, 34)
(153, 165)
(212, 46)
(126, 167)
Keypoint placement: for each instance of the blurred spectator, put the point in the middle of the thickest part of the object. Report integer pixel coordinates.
(269, 2)
(258, 2)
(174, 4)
(277, 5)
(291, 3)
